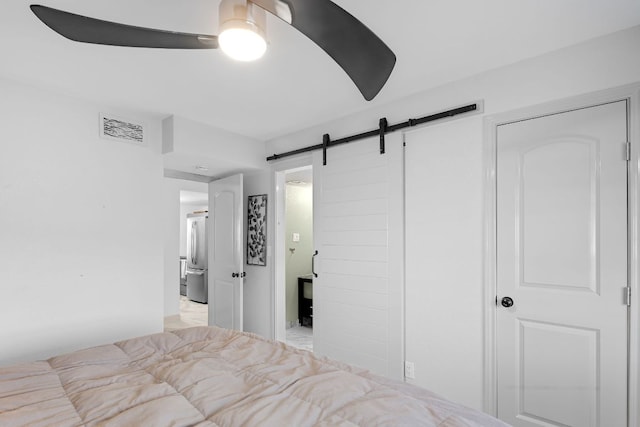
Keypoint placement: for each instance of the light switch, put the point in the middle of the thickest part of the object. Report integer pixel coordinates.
(296, 237)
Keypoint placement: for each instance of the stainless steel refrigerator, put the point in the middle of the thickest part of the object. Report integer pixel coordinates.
(197, 287)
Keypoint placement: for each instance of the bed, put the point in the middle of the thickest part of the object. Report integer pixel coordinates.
(208, 376)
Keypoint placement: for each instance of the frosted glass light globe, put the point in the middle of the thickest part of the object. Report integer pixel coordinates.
(242, 29)
(242, 43)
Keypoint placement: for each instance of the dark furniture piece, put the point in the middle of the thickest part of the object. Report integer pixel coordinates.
(305, 305)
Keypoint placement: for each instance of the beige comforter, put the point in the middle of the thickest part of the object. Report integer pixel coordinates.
(213, 377)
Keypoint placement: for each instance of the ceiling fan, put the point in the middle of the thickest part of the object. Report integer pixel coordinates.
(358, 51)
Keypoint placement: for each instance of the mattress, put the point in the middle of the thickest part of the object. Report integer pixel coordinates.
(208, 376)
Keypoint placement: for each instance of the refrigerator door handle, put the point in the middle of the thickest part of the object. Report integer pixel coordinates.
(194, 243)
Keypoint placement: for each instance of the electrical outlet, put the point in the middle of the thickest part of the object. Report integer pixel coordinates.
(409, 370)
(296, 237)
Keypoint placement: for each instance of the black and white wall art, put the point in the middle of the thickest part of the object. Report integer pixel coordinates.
(119, 129)
(257, 230)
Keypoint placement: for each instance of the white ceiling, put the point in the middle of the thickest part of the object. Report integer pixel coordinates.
(296, 85)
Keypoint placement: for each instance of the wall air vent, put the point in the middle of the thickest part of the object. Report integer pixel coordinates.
(123, 130)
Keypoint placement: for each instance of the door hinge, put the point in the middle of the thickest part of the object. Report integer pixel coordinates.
(627, 296)
(628, 151)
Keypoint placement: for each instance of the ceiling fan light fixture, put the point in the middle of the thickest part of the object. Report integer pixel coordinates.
(365, 58)
(242, 36)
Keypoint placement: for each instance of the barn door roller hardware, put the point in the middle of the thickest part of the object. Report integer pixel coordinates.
(383, 129)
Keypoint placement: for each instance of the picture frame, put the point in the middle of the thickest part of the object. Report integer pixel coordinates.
(257, 230)
(120, 129)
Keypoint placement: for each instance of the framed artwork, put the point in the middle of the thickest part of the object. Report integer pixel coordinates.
(257, 230)
(123, 130)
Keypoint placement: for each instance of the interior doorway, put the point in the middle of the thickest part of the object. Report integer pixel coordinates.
(193, 311)
(294, 280)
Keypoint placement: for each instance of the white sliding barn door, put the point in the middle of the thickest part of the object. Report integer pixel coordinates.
(562, 269)
(357, 308)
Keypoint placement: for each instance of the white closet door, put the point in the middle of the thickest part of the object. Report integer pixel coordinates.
(357, 309)
(561, 269)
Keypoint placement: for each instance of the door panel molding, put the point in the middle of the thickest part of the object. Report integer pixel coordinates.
(559, 152)
(531, 380)
(631, 94)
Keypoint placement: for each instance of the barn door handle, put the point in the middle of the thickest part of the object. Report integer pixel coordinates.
(506, 302)
(313, 264)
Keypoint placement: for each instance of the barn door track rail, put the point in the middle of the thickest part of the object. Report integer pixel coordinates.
(383, 129)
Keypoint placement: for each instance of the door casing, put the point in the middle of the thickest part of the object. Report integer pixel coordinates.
(278, 304)
(630, 93)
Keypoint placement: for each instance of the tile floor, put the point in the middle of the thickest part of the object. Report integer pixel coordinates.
(300, 337)
(191, 314)
(196, 314)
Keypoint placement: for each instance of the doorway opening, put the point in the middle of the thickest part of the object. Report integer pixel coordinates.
(193, 302)
(294, 280)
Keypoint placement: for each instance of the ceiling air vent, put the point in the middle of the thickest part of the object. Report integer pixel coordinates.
(119, 129)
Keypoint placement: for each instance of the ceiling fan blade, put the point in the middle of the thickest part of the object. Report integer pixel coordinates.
(362, 55)
(89, 30)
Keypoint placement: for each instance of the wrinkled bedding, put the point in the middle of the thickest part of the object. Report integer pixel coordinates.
(207, 377)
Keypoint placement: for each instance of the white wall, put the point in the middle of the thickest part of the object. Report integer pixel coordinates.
(226, 152)
(173, 221)
(80, 237)
(258, 289)
(598, 64)
(444, 294)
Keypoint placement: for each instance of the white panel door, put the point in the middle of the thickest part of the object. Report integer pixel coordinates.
(562, 261)
(225, 252)
(354, 303)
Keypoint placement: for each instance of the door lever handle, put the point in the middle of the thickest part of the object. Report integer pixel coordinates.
(235, 274)
(243, 274)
